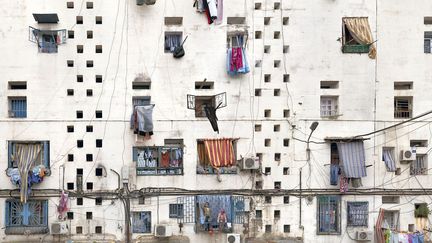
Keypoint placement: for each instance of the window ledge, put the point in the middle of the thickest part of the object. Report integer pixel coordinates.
(355, 48)
(21, 230)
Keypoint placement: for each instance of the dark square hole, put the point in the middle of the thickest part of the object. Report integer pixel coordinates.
(79, 201)
(80, 143)
(98, 19)
(80, 78)
(89, 128)
(70, 185)
(79, 20)
(99, 171)
(267, 199)
(287, 228)
(80, 171)
(70, 157)
(70, 63)
(98, 78)
(276, 214)
(98, 201)
(286, 170)
(89, 215)
(89, 157)
(70, 92)
(277, 185)
(98, 229)
(267, 170)
(286, 199)
(89, 185)
(69, 215)
(79, 229)
(89, 34)
(89, 92)
(98, 143)
(70, 128)
(89, 63)
(79, 114)
(98, 114)
(71, 34)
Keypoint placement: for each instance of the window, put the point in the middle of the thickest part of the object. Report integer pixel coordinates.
(89, 34)
(98, 19)
(286, 200)
(98, 78)
(285, 20)
(258, 127)
(80, 143)
(70, 157)
(350, 44)
(173, 20)
(18, 107)
(89, 63)
(89, 92)
(287, 228)
(402, 107)
(79, 20)
(392, 219)
(266, 20)
(276, 5)
(268, 228)
(418, 143)
(258, 6)
(286, 142)
(42, 157)
(47, 40)
(172, 40)
(89, 215)
(390, 199)
(201, 102)
(419, 166)
(176, 211)
(204, 165)
(89, 5)
(267, 170)
(79, 201)
(99, 172)
(70, 4)
(286, 171)
(277, 185)
(427, 41)
(98, 229)
(286, 78)
(70, 215)
(141, 100)
(329, 84)
(236, 20)
(70, 128)
(17, 85)
(89, 128)
(403, 85)
(71, 34)
(427, 20)
(258, 34)
(31, 217)
(89, 157)
(329, 106)
(204, 85)
(159, 160)
(328, 215)
(70, 185)
(141, 85)
(267, 199)
(80, 78)
(285, 49)
(98, 114)
(276, 92)
(70, 63)
(258, 214)
(98, 48)
(141, 222)
(267, 113)
(276, 214)
(98, 143)
(79, 230)
(70, 92)
(357, 213)
(286, 113)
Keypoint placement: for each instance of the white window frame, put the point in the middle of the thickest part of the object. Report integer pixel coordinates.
(329, 106)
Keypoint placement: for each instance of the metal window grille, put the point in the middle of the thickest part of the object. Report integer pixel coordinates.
(176, 210)
(329, 106)
(402, 107)
(238, 207)
(149, 160)
(188, 209)
(328, 215)
(141, 222)
(357, 213)
(18, 107)
(419, 166)
(31, 214)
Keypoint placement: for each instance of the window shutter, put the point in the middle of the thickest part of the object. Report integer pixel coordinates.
(45, 212)
(191, 102)
(134, 154)
(46, 157)
(11, 148)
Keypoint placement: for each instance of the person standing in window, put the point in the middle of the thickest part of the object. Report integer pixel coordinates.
(222, 220)
(207, 216)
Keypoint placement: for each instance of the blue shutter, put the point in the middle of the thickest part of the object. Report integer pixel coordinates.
(7, 213)
(25, 214)
(46, 150)
(45, 212)
(134, 154)
(11, 147)
(238, 207)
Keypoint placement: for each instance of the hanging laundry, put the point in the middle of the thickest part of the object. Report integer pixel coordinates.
(343, 184)
(142, 120)
(356, 182)
(165, 160)
(212, 9)
(334, 174)
(211, 115)
(219, 12)
(199, 5)
(62, 207)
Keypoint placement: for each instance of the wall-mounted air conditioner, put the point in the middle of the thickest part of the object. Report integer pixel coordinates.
(163, 230)
(59, 228)
(407, 155)
(233, 238)
(364, 235)
(250, 163)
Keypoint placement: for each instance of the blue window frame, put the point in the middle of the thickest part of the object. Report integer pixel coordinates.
(43, 157)
(18, 107)
(141, 222)
(328, 215)
(31, 216)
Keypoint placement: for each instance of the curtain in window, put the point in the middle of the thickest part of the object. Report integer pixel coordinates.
(141, 222)
(202, 155)
(220, 152)
(25, 155)
(172, 41)
(353, 159)
(361, 32)
(389, 160)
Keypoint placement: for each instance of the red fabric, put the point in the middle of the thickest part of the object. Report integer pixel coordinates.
(236, 59)
(165, 159)
(343, 184)
(379, 234)
(220, 152)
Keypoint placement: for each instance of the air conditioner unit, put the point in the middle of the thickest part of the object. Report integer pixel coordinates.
(363, 235)
(407, 155)
(59, 228)
(163, 230)
(233, 238)
(250, 163)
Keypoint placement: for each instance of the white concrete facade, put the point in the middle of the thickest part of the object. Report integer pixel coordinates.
(132, 39)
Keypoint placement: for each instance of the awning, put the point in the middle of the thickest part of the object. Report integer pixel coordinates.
(50, 18)
(352, 155)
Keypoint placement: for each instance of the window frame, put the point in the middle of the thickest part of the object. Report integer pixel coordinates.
(334, 106)
(146, 226)
(354, 47)
(363, 215)
(44, 156)
(17, 113)
(179, 34)
(158, 170)
(400, 111)
(209, 170)
(176, 210)
(396, 213)
(24, 212)
(337, 214)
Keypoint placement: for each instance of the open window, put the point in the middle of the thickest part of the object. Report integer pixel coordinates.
(198, 103)
(172, 40)
(391, 217)
(159, 160)
(47, 40)
(403, 107)
(357, 36)
(40, 150)
(26, 218)
(216, 156)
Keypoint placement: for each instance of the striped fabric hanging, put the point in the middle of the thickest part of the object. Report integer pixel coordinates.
(220, 152)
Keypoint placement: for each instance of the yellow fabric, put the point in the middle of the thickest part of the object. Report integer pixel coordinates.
(26, 154)
(360, 30)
